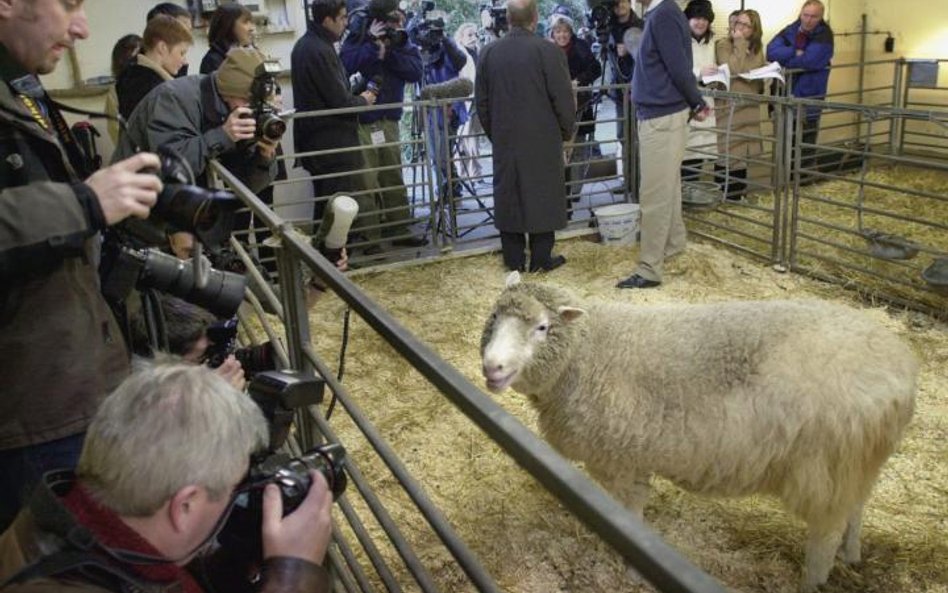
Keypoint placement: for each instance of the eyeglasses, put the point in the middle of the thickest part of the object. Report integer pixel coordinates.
(743, 24)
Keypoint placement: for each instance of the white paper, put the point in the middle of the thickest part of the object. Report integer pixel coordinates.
(771, 70)
(723, 76)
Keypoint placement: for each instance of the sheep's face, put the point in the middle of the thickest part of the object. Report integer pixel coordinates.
(524, 339)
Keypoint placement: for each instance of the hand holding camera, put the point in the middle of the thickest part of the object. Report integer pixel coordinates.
(304, 533)
(124, 189)
(240, 125)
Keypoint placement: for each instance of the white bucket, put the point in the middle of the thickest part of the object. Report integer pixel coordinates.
(618, 223)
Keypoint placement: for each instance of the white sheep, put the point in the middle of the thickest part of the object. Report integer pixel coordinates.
(802, 400)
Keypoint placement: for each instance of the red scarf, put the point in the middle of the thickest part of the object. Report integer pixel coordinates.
(801, 40)
(112, 533)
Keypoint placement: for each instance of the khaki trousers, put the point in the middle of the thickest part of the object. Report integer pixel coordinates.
(389, 198)
(661, 148)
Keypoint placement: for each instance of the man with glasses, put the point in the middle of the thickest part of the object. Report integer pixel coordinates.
(158, 474)
(806, 44)
(320, 82)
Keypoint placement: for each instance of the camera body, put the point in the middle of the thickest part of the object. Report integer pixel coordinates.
(427, 33)
(223, 337)
(494, 18)
(264, 86)
(601, 17)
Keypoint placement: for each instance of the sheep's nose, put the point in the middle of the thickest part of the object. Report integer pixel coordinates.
(492, 371)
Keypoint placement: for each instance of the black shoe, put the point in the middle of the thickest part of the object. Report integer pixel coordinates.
(554, 262)
(620, 189)
(410, 242)
(636, 281)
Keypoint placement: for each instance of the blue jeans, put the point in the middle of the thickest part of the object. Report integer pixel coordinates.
(21, 469)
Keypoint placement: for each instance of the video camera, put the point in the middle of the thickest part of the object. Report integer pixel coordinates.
(223, 337)
(426, 33)
(494, 18)
(278, 394)
(601, 17)
(269, 123)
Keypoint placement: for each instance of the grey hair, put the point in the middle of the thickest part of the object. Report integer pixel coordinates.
(165, 427)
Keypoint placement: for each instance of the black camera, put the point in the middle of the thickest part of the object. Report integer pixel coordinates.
(393, 35)
(124, 268)
(234, 566)
(494, 18)
(601, 17)
(424, 32)
(223, 337)
(269, 123)
(208, 214)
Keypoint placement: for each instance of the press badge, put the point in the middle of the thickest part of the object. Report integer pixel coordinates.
(378, 137)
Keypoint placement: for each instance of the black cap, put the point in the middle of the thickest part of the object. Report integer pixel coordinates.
(698, 9)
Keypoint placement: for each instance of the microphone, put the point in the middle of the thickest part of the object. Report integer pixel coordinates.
(344, 210)
(458, 88)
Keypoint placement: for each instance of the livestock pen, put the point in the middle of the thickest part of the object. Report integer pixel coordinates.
(451, 489)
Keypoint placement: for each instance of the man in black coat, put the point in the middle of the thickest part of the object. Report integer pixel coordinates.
(525, 101)
(320, 82)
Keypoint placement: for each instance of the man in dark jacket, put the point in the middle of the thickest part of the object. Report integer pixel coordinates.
(203, 117)
(525, 101)
(123, 524)
(392, 63)
(806, 44)
(320, 82)
(666, 97)
(61, 351)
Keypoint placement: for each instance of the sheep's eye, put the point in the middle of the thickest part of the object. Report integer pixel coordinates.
(543, 327)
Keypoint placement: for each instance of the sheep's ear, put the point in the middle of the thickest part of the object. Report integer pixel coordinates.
(513, 279)
(570, 314)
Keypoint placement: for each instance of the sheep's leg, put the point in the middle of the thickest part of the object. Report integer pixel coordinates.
(850, 551)
(823, 541)
(633, 491)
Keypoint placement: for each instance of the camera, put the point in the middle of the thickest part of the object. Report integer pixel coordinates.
(279, 395)
(494, 18)
(223, 337)
(124, 268)
(264, 86)
(601, 17)
(208, 214)
(393, 35)
(424, 32)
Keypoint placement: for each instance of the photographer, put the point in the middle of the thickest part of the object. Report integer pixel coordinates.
(187, 328)
(443, 60)
(61, 348)
(123, 523)
(378, 48)
(204, 117)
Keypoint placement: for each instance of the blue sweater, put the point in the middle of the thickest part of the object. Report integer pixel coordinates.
(401, 65)
(815, 60)
(662, 81)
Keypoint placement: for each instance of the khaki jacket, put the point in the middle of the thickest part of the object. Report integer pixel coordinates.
(60, 347)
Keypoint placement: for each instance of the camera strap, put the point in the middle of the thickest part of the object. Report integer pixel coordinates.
(212, 117)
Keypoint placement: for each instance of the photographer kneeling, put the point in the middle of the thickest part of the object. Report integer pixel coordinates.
(123, 522)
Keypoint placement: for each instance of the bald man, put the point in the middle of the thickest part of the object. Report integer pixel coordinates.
(525, 101)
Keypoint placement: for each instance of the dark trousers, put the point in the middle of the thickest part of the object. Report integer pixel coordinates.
(21, 469)
(736, 181)
(691, 169)
(513, 246)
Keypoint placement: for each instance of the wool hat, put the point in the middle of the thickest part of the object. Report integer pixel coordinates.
(235, 76)
(697, 9)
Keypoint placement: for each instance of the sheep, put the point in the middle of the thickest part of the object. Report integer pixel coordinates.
(801, 400)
